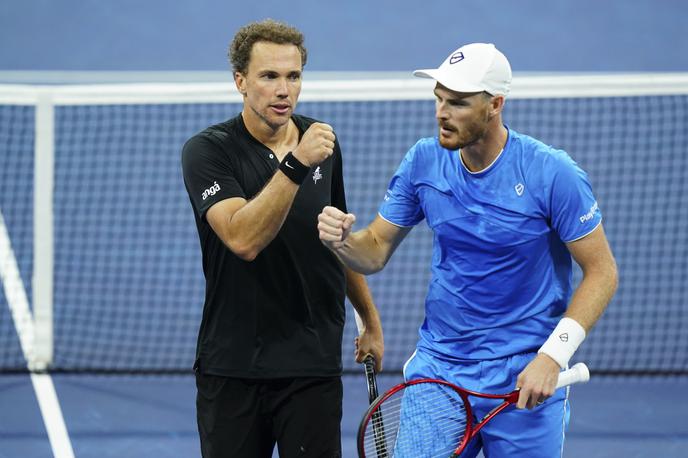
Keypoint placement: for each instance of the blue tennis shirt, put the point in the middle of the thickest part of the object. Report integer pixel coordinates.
(501, 273)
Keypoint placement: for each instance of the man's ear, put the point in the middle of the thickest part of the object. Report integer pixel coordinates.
(497, 104)
(240, 81)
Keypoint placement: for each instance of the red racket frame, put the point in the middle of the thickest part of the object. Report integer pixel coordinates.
(471, 429)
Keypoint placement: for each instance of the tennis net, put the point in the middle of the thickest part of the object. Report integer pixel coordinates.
(100, 263)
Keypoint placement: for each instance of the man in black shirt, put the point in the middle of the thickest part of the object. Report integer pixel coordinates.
(268, 364)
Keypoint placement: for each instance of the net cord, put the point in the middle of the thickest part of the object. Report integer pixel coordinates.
(523, 87)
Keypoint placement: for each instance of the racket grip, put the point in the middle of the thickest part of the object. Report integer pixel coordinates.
(579, 373)
(369, 365)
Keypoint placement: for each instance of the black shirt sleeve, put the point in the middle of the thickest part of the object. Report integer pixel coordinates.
(209, 175)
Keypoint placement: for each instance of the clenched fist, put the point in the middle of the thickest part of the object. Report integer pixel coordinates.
(316, 145)
(334, 226)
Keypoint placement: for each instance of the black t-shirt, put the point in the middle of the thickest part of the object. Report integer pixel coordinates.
(282, 314)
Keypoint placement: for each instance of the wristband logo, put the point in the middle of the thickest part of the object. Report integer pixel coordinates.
(564, 337)
(211, 191)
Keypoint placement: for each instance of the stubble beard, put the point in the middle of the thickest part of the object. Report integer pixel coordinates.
(458, 143)
(275, 126)
(476, 130)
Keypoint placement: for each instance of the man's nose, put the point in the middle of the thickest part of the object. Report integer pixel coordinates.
(281, 90)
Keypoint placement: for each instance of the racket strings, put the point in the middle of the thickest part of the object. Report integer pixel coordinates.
(422, 420)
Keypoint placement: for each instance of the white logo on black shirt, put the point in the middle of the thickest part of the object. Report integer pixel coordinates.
(211, 190)
(317, 175)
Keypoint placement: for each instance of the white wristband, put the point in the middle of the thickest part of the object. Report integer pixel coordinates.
(564, 341)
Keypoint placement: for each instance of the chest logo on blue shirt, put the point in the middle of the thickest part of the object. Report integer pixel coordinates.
(519, 188)
(317, 175)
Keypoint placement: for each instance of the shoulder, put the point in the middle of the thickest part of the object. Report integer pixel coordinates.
(536, 155)
(219, 133)
(424, 160)
(424, 150)
(211, 140)
(549, 169)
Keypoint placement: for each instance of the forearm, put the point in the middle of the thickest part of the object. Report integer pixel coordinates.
(363, 252)
(359, 294)
(255, 225)
(370, 340)
(591, 297)
(587, 305)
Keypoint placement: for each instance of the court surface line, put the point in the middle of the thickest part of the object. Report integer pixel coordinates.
(43, 385)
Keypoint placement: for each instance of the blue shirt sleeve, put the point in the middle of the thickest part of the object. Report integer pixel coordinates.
(401, 205)
(574, 211)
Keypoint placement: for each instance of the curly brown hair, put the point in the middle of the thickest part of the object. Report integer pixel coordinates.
(267, 30)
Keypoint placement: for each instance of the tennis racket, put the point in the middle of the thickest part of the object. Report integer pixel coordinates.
(376, 423)
(432, 418)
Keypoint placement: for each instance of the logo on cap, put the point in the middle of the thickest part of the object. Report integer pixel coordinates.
(456, 57)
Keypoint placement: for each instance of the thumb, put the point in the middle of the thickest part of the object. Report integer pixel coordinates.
(348, 222)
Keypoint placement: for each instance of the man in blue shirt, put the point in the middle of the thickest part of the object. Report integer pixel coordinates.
(508, 213)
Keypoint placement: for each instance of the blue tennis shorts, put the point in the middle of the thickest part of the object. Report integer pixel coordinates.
(536, 433)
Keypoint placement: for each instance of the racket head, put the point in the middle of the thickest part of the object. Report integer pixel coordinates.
(418, 418)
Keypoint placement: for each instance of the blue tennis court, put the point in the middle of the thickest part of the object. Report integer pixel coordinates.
(144, 416)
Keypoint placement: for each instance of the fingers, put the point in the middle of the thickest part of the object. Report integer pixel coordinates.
(360, 356)
(530, 397)
(364, 347)
(537, 382)
(527, 400)
(316, 145)
(334, 225)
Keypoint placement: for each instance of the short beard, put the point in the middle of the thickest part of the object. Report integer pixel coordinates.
(456, 145)
(271, 125)
(479, 134)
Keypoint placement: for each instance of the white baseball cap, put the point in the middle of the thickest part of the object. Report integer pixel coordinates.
(475, 67)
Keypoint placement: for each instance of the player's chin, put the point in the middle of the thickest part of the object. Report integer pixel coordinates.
(278, 119)
(449, 142)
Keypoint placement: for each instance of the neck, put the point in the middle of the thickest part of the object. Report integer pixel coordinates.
(481, 154)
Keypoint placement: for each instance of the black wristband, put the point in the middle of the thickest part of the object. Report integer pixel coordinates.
(292, 168)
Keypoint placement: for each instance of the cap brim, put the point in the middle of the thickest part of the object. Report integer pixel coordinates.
(425, 73)
(446, 81)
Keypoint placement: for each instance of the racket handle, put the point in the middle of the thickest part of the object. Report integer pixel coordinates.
(579, 373)
(369, 365)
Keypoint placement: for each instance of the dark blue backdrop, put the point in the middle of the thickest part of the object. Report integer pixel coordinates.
(358, 35)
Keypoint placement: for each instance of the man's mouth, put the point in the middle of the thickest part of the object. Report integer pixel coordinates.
(446, 130)
(280, 108)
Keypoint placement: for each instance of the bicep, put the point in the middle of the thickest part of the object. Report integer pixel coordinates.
(592, 251)
(387, 235)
